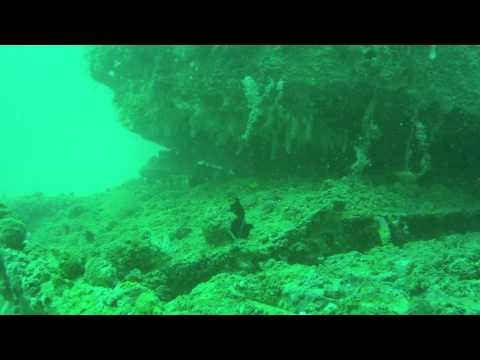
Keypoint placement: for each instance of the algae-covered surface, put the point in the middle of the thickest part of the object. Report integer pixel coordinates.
(171, 251)
(294, 180)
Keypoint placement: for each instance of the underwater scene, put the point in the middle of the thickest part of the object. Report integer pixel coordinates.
(240, 180)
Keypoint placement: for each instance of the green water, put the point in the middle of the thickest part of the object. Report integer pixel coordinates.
(59, 129)
(240, 180)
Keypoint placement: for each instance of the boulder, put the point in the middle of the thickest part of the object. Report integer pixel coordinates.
(12, 233)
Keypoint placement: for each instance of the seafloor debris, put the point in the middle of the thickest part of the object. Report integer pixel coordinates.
(335, 247)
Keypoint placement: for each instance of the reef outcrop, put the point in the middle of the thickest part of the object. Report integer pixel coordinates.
(408, 112)
(12, 230)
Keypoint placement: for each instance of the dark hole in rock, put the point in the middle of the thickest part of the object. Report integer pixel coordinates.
(89, 236)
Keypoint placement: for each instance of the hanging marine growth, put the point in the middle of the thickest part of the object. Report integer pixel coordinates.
(290, 180)
(391, 111)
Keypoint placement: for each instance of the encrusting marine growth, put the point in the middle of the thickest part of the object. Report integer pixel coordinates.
(292, 180)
